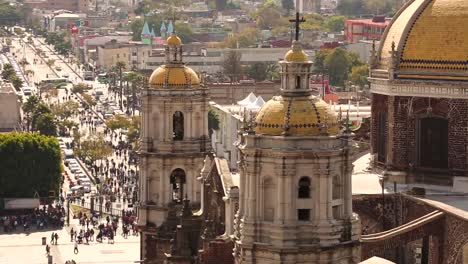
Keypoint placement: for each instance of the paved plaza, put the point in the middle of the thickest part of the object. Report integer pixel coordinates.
(22, 248)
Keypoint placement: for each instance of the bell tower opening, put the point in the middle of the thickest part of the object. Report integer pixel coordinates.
(304, 188)
(298, 82)
(178, 126)
(178, 182)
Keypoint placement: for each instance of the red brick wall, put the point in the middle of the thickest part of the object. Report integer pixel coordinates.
(407, 111)
(379, 105)
(218, 251)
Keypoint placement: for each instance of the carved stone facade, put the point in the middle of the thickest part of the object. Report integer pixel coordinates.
(174, 144)
(295, 180)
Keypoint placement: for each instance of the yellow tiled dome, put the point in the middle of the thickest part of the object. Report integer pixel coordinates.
(173, 77)
(174, 40)
(296, 56)
(431, 37)
(304, 115)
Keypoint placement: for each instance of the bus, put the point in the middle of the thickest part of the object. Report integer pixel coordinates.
(54, 81)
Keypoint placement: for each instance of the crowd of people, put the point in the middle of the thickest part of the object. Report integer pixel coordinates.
(44, 217)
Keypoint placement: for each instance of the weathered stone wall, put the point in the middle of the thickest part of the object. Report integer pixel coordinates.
(448, 234)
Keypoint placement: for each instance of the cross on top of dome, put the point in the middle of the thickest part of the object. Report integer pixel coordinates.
(297, 22)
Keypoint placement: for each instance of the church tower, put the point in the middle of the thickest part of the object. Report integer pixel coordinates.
(174, 143)
(295, 178)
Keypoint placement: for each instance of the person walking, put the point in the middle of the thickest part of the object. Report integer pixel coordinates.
(56, 238)
(75, 250)
(71, 234)
(52, 238)
(47, 248)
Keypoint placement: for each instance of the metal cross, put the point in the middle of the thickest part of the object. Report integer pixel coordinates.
(297, 21)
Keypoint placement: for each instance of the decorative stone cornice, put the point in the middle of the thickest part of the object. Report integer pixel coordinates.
(434, 89)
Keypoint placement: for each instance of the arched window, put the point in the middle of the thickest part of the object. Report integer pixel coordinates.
(178, 182)
(178, 126)
(269, 199)
(304, 188)
(298, 82)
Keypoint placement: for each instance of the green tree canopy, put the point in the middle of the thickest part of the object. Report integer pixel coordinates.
(136, 26)
(93, 149)
(184, 31)
(9, 15)
(118, 122)
(337, 63)
(30, 163)
(8, 72)
(287, 5)
(213, 120)
(46, 124)
(359, 75)
(232, 64)
(334, 23)
(258, 71)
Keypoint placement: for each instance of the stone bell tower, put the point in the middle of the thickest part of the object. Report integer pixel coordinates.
(174, 143)
(295, 179)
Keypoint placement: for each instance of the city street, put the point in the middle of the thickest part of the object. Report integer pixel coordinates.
(13, 245)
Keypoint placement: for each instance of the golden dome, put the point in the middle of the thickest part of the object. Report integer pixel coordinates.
(304, 115)
(430, 36)
(296, 56)
(174, 40)
(173, 77)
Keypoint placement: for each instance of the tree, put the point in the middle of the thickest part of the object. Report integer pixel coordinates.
(9, 16)
(65, 110)
(17, 82)
(120, 65)
(88, 99)
(136, 26)
(80, 88)
(50, 62)
(319, 61)
(29, 107)
(135, 80)
(41, 109)
(93, 149)
(46, 124)
(258, 71)
(268, 16)
(243, 39)
(30, 163)
(213, 121)
(287, 5)
(118, 122)
(184, 31)
(232, 64)
(359, 75)
(8, 72)
(337, 63)
(334, 23)
(23, 62)
(134, 130)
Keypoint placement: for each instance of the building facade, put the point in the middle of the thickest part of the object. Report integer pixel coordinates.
(295, 202)
(174, 145)
(132, 54)
(10, 109)
(365, 29)
(419, 82)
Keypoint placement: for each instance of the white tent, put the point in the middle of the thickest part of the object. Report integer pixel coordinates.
(257, 104)
(248, 100)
